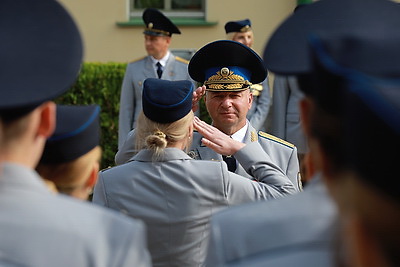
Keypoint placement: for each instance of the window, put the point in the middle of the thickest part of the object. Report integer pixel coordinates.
(170, 8)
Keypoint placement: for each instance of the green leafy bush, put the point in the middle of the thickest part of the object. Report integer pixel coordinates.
(100, 83)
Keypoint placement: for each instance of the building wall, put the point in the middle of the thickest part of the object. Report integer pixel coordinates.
(105, 41)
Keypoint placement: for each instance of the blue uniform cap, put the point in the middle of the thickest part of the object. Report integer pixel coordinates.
(226, 65)
(77, 132)
(238, 26)
(41, 54)
(166, 101)
(157, 24)
(365, 98)
(287, 51)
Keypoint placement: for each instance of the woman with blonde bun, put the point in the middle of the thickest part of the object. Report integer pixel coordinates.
(174, 194)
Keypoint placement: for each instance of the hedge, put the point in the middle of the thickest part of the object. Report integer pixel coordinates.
(100, 83)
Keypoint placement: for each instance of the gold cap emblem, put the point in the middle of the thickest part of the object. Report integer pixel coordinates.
(245, 28)
(150, 25)
(226, 80)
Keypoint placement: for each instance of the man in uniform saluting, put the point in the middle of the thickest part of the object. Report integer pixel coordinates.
(227, 69)
(159, 63)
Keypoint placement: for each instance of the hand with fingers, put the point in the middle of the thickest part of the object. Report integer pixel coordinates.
(215, 139)
(197, 95)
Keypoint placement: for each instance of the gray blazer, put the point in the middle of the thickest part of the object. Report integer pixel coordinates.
(176, 195)
(282, 153)
(261, 102)
(132, 86)
(40, 229)
(298, 230)
(286, 112)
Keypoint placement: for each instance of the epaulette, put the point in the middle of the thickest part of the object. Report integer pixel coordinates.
(141, 58)
(182, 60)
(275, 139)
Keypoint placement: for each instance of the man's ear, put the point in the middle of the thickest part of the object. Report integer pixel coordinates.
(92, 179)
(190, 131)
(47, 123)
(250, 99)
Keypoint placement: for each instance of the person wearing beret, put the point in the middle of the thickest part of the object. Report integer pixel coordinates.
(41, 60)
(227, 78)
(70, 160)
(241, 31)
(174, 194)
(159, 63)
(346, 63)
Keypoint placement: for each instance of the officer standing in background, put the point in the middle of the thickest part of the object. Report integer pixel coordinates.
(159, 63)
(241, 31)
(41, 53)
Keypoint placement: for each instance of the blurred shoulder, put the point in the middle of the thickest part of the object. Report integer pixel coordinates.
(138, 60)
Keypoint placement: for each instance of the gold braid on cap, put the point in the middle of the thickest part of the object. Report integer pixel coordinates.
(226, 80)
(151, 29)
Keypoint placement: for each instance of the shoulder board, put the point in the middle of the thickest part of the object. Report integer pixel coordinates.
(276, 139)
(138, 59)
(182, 60)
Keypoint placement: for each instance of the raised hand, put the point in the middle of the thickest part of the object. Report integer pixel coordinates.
(197, 95)
(215, 139)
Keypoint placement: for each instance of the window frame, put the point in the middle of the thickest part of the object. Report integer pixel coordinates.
(137, 13)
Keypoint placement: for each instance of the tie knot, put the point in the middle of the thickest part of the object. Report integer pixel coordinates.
(158, 64)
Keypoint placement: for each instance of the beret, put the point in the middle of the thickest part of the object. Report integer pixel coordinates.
(77, 132)
(287, 51)
(166, 101)
(238, 26)
(41, 53)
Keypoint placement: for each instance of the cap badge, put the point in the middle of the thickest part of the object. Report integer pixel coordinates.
(226, 79)
(245, 28)
(150, 25)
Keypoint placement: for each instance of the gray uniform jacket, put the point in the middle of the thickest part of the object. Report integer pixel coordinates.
(286, 112)
(261, 102)
(176, 195)
(298, 230)
(39, 228)
(282, 153)
(132, 86)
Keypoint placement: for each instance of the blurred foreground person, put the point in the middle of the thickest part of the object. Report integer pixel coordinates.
(346, 63)
(174, 194)
(71, 156)
(41, 55)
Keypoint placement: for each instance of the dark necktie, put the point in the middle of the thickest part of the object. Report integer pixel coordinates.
(231, 162)
(159, 70)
